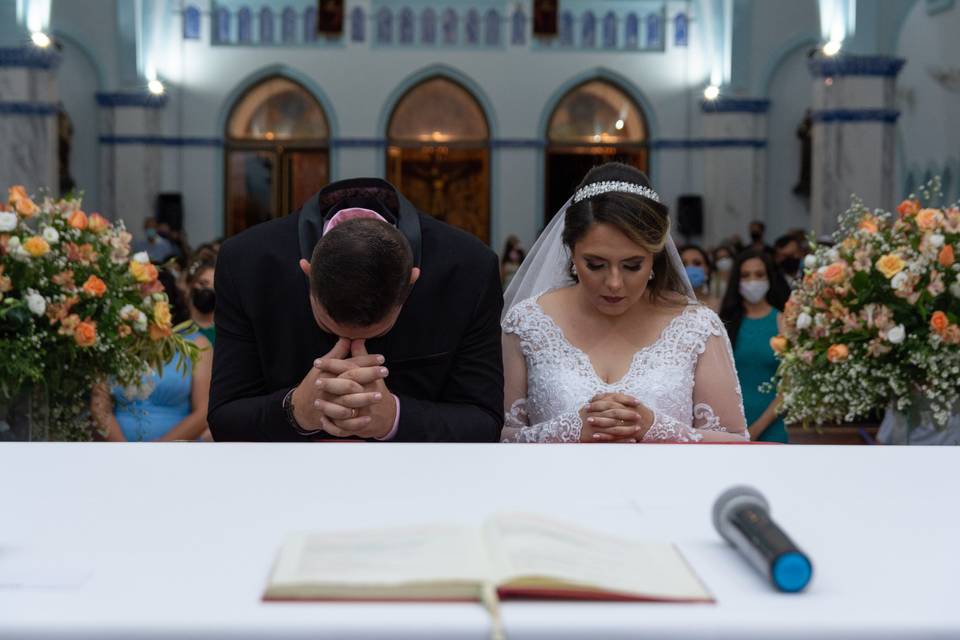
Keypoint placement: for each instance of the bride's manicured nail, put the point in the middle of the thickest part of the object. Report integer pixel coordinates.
(590, 420)
(596, 436)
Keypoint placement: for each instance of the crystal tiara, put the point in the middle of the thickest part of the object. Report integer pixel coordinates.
(596, 188)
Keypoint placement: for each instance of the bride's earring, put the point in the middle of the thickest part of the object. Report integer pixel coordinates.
(651, 274)
(573, 270)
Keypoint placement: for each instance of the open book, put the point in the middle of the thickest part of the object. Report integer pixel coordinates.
(509, 556)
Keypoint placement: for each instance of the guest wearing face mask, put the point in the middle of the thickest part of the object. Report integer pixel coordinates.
(157, 247)
(723, 265)
(697, 265)
(788, 256)
(751, 310)
(200, 294)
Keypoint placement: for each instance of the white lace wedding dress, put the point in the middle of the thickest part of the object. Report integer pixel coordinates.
(687, 378)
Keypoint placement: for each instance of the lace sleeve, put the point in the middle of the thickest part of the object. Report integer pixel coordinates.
(717, 400)
(516, 424)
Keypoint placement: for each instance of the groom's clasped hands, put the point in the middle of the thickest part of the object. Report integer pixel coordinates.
(614, 417)
(344, 393)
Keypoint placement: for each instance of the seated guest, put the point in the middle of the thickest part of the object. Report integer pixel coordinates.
(357, 317)
(201, 297)
(697, 265)
(751, 312)
(165, 407)
(157, 247)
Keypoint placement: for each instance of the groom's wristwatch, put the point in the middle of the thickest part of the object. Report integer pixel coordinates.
(288, 410)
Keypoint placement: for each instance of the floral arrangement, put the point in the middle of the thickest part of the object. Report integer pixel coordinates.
(76, 308)
(874, 322)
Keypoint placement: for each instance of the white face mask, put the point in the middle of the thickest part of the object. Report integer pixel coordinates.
(754, 291)
(724, 264)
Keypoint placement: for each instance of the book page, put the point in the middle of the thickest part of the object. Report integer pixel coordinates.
(534, 553)
(380, 563)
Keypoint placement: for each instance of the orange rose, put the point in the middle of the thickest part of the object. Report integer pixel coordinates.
(946, 257)
(98, 223)
(778, 344)
(78, 220)
(834, 273)
(939, 321)
(838, 353)
(908, 208)
(94, 286)
(929, 219)
(85, 334)
(21, 202)
(159, 333)
(890, 265)
(36, 246)
(124, 330)
(869, 224)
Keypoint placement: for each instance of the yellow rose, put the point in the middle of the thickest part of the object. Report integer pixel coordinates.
(890, 265)
(161, 314)
(36, 246)
(143, 271)
(869, 224)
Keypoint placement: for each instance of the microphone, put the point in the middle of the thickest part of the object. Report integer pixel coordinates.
(741, 516)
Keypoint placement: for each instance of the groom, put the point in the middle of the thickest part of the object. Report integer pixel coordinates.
(357, 317)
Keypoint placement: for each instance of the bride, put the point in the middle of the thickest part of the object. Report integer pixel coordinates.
(603, 340)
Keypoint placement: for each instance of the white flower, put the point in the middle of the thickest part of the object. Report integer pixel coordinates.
(8, 221)
(127, 311)
(140, 324)
(936, 240)
(35, 302)
(897, 334)
(810, 261)
(955, 289)
(899, 280)
(51, 235)
(833, 255)
(159, 297)
(13, 243)
(804, 320)
(141, 257)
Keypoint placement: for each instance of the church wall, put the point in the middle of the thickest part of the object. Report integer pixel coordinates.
(927, 130)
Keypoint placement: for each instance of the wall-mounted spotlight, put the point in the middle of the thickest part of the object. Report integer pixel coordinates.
(712, 92)
(832, 48)
(155, 87)
(41, 39)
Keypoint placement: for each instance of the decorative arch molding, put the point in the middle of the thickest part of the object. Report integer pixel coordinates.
(88, 54)
(274, 71)
(437, 71)
(600, 73)
(780, 57)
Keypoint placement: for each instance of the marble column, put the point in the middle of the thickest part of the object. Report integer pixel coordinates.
(854, 138)
(131, 156)
(735, 144)
(28, 119)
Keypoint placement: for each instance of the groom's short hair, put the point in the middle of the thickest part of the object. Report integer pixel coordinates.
(360, 271)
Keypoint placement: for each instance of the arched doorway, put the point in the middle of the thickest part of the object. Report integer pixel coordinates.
(595, 122)
(277, 153)
(438, 154)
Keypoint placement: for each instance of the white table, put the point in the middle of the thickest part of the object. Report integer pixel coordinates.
(178, 539)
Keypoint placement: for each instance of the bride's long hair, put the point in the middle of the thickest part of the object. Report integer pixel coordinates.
(644, 221)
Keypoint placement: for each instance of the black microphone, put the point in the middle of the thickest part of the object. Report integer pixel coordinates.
(741, 516)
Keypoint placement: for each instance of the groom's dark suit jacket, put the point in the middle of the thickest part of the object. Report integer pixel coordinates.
(443, 354)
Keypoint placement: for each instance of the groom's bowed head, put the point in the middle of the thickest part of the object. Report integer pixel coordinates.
(360, 273)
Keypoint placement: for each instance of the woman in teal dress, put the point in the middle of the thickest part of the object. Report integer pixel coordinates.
(751, 310)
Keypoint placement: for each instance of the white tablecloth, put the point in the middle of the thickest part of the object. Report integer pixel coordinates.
(177, 540)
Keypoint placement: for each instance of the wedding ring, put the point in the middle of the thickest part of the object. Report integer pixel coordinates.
(353, 413)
